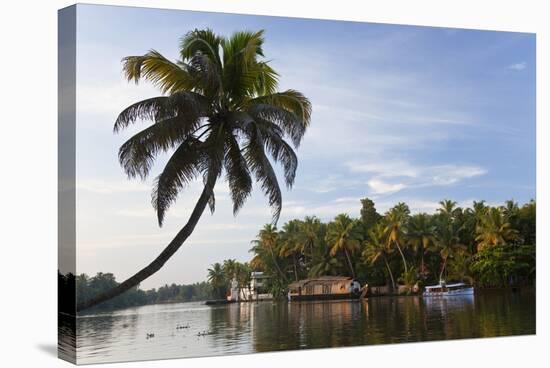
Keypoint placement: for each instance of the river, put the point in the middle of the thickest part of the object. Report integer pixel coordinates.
(193, 329)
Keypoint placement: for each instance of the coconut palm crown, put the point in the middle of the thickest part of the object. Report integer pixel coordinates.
(220, 112)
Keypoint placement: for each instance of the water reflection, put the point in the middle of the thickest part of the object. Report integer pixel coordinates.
(270, 326)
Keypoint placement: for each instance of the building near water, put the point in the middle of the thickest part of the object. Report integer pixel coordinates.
(254, 291)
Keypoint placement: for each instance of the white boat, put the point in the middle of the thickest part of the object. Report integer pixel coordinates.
(444, 289)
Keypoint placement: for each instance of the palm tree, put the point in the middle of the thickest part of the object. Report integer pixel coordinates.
(290, 243)
(447, 242)
(219, 112)
(267, 242)
(343, 234)
(447, 208)
(396, 221)
(310, 235)
(230, 268)
(493, 230)
(420, 235)
(216, 278)
(377, 248)
(326, 265)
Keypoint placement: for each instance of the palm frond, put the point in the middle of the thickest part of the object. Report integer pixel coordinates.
(189, 105)
(279, 149)
(183, 167)
(169, 77)
(201, 42)
(137, 154)
(238, 173)
(290, 109)
(259, 164)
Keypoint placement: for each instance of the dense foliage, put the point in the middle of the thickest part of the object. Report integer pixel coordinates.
(87, 287)
(484, 245)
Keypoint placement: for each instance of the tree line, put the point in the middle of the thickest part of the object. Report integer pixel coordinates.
(488, 246)
(87, 287)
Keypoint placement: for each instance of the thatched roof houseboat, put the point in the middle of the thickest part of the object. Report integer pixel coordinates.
(324, 288)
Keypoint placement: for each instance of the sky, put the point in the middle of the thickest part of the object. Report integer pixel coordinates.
(400, 113)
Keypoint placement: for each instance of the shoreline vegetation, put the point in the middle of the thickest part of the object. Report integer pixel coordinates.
(486, 246)
(490, 247)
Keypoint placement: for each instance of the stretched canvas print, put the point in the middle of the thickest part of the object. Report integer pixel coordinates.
(235, 184)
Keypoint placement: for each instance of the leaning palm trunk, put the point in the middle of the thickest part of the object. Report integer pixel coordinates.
(164, 256)
(277, 264)
(349, 263)
(402, 257)
(391, 273)
(443, 269)
(295, 267)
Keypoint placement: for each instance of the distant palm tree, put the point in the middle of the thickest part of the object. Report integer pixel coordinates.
(493, 229)
(290, 244)
(447, 242)
(395, 224)
(310, 235)
(220, 111)
(230, 268)
(447, 208)
(217, 278)
(377, 249)
(420, 235)
(267, 242)
(326, 265)
(343, 234)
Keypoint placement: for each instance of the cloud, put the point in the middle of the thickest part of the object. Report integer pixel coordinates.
(380, 187)
(414, 174)
(518, 66)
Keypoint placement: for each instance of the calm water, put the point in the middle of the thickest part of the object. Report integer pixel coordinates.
(269, 326)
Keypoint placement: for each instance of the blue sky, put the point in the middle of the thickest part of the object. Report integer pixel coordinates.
(400, 113)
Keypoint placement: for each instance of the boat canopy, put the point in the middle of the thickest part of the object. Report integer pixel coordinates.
(448, 286)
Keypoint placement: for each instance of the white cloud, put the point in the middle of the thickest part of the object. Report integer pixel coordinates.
(412, 175)
(518, 66)
(380, 187)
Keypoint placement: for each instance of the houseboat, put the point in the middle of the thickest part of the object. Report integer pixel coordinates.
(324, 288)
(444, 289)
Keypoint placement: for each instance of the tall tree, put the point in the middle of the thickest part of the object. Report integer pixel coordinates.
(290, 244)
(494, 229)
(447, 242)
(220, 111)
(395, 224)
(217, 278)
(377, 249)
(343, 235)
(369, 216)
(267, 243)
(420, 235)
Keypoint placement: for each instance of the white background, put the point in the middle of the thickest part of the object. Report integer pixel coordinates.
(28, 180)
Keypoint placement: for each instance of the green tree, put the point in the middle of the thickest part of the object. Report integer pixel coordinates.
(369, 216)
(267, 244)
(493, 230)
(290, 244)
(220, 111)
(447, 242)
(218, 280)
(377, 249)
(343, 235)
(420, 235)
(396, 220)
